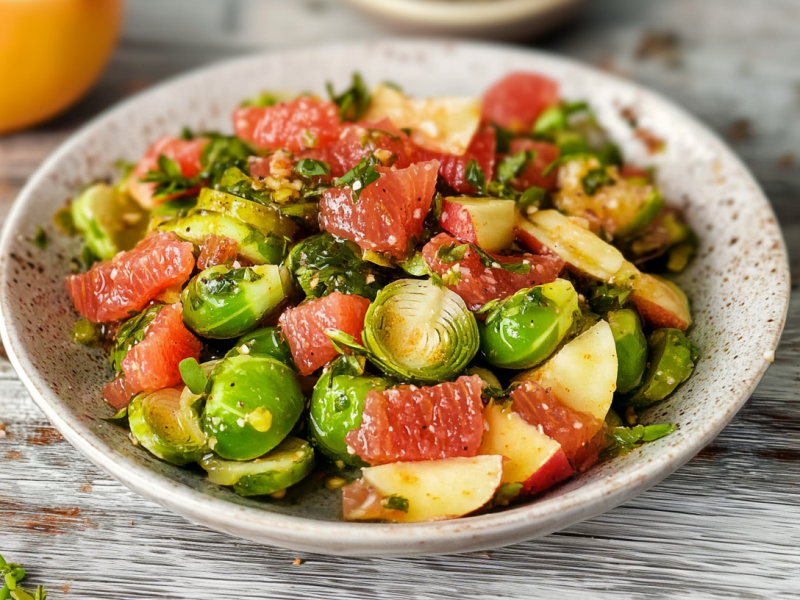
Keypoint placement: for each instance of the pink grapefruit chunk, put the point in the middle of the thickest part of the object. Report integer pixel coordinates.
(114, 289)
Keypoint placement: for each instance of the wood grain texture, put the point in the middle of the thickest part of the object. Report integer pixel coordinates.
(724, 526)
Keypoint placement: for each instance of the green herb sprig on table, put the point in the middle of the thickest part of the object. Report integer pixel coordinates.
(12, 574)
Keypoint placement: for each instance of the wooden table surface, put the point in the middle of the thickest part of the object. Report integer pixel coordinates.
(727, 525)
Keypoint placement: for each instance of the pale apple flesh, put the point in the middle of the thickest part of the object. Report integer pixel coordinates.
(532, 458)
(431, 490)
(660, 302)
(581, 249)
(441, 124)
(486, 222)
(583, 374)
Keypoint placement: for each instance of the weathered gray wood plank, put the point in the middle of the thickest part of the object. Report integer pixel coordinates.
(724, 526)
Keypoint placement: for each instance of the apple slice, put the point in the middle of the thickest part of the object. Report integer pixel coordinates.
(486, 222)
(443, 124)
(660, 302)
(533, 459)
(583, 374)
(549, 230)
(431, 490)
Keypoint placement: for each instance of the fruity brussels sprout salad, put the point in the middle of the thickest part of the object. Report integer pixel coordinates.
(432, 306)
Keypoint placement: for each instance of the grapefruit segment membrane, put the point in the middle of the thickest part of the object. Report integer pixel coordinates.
(452, 294)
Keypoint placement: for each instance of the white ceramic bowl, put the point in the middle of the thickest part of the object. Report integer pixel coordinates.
(492, 19)
(739, 287)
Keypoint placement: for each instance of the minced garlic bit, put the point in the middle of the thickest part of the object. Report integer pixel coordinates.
(769, 356)
(244, 349)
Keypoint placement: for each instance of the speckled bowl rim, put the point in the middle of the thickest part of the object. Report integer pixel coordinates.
(471, 533)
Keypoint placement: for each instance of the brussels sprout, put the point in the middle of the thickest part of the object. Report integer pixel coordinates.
(523, 330)
(672, 360)
(175, 208)
(167, 423)
(322, 264)
(109, 220)
(619, 207)
(224, 303)
(336, 407)
(668, 244)
(253, 245)
(253, 403)
(267, 342)
(266, 218)
(285, 465)
(631, 348)
(420, 332)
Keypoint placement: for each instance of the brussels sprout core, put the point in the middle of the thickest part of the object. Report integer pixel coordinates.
(420, 332)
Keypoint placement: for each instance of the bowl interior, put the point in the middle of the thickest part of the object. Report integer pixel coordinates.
(738, 286)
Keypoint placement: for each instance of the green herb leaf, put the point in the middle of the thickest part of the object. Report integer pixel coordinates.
(221, 154)
(341, 339)
(308, 167)
(415, 265)
(621, 440)
(503, 138)
(40, 239)
(492, 263)
(131, 333)
(476, 177)
(395, 502)
(169, 178)
(532, 197)
(263, 100)
(451, 253)
(118, 418)
(513, 165)
(354, 101)
(193, 375)
(550, 120)
(604, 297)
(360, 176)
(594, 180)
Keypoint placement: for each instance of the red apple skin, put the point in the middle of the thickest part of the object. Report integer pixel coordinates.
(457, 221)
(530, 242)
(657, 316)
(556, 469)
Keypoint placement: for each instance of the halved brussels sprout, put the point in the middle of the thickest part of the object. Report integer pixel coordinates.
(631, 348)
(612, 204)
(167, 423)
(253, 403)
(336, 407)
(253, 245)
(110, 220)
(523, 330)
(267, 342)
(285, 465)
(224, 303)
(672, 360)
(420, 332)
(268, 219)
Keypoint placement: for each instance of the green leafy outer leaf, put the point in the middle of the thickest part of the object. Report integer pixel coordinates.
(308, 167)
(415, 265)
(533, 196)
(223, 152)
(475, 176)
(507, 493)
(604, 297)
(193, 375)
(354, 101)
(340, 340)
(131, 333)
(395, 502)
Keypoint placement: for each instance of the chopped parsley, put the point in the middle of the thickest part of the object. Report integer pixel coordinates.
(360, 176)
(354, 101)
(131, 333)
(308, 167)
(476, 177)
(40, 239)
(395, 502)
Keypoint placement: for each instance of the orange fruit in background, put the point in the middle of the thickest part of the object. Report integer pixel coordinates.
(51, 51)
